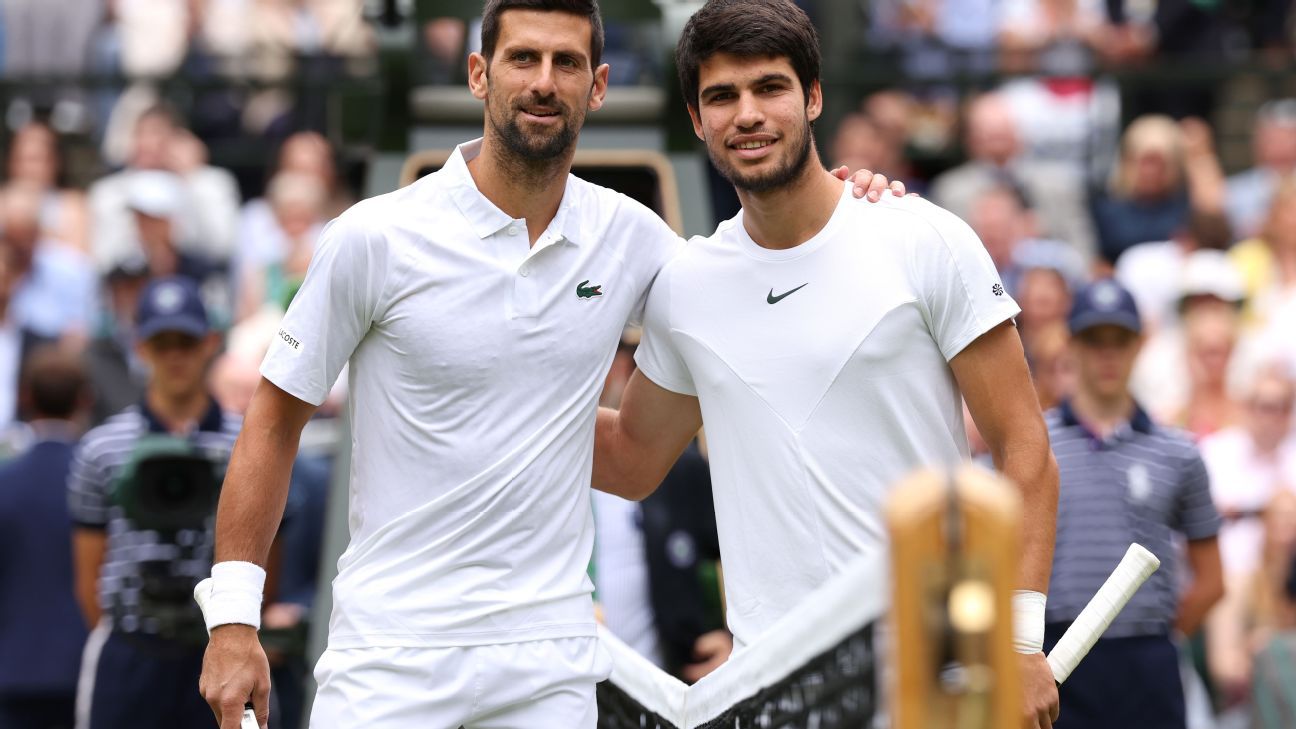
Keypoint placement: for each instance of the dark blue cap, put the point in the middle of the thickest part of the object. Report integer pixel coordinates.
(171, 304)
(1104, 302)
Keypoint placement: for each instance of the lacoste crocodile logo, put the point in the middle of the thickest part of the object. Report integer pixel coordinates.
(772, 299)
(583, 291)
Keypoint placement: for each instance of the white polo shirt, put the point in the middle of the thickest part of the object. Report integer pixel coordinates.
(823, 377)
(475, 368)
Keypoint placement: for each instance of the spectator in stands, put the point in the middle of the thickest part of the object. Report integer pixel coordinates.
(135, 577)
(1052, 370)
(34, 159)
(206, 213)
(1056, 37)
(156, 201)
(1211, 336)
(1045, 272)
(935, 37)
(994, 151)
(1250, 465)
(1154, 271)
(1003, 219)
(41, 630)
(861, 140)
(54, 286)
(1271, 619)
(1207, 287)
(1167, 171)
(1125, 479)
(1273, 152)
(117, 377)
(272, 266)
(1268, 263)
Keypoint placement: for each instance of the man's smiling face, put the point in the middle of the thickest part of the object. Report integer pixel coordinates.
(540, 82)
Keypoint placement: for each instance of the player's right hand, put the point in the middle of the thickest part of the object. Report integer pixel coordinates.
(1040, 693)
(235, 671)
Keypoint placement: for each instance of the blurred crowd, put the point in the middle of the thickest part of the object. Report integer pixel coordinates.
(1060, 191)
(1210, 259)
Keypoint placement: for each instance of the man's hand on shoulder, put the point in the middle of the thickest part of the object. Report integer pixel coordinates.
(869, 184)
(1040, 705)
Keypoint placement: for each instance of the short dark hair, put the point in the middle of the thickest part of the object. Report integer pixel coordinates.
(747, 28)
(490, 28)
(54, 382)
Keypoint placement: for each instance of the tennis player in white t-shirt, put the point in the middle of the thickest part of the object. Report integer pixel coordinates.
(827, 345)
(479, 310)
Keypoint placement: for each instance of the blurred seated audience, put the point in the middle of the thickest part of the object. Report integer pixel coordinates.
(1003, 219)
(1207, 288)
(1268, 262)
(1045, 273)
(1250, 462)
(1167, 171)
(1154, 271)
(1210, 338)
(1273, 154)
(42, 632)
(273, 263)
(1052, 371)
(34, 159)
(53, 285)
(1250, 633)
(206, 209)
(862, 143)
(935, 38)
(1073, 122)
(994, 158)
(156, 200)
(1055, 37)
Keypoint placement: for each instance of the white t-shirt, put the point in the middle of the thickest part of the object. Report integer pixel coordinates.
(823, 377)
(475, 368)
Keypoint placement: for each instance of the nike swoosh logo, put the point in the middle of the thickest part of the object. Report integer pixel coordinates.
(772, 299)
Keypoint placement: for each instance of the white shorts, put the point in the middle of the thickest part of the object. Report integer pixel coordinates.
(539, 684)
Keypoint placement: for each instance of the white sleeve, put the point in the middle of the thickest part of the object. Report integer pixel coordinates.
(338, 302)
(658, 245)
(658, 356)
(962, 294)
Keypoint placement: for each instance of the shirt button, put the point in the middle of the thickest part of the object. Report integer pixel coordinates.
(512, 230)
(525, 271)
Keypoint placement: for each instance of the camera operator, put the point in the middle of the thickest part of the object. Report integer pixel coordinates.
(142, 494)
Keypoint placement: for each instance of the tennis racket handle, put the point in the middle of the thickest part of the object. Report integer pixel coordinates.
(1135, 567)
(249, 719)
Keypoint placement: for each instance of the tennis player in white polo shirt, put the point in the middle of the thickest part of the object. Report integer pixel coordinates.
(827, 345)
(479, 309)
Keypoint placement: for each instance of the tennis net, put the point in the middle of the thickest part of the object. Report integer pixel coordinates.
(815, 669)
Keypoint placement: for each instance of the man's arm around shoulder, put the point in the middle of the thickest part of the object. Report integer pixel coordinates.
(252, 501)
(636, 446)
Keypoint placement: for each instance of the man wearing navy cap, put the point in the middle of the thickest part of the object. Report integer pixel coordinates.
(132, 561)
(1125, 479)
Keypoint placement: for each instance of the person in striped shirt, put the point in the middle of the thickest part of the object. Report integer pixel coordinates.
(1124, 478)
(133, 577)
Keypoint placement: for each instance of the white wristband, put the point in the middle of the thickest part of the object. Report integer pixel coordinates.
(235, 595)
(1028, 621)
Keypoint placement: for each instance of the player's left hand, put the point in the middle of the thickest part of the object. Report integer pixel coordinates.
(1039, 692)
(869, 184)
